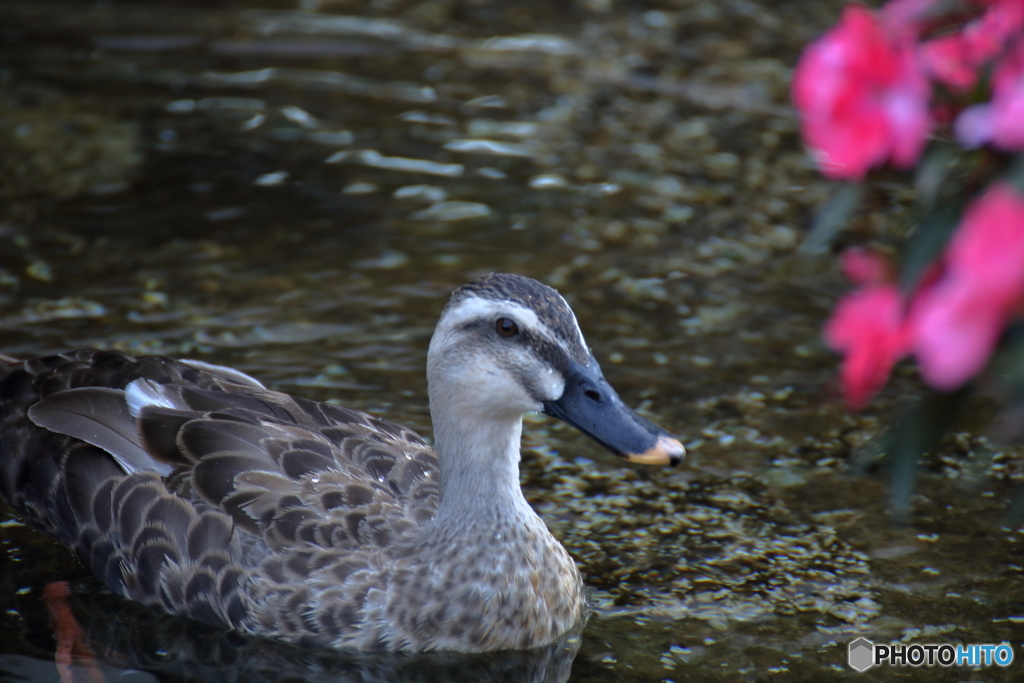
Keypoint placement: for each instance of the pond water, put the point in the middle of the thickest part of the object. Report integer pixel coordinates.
(294, 188)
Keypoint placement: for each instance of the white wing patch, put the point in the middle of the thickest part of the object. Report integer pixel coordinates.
(230, 374)
(144, 392)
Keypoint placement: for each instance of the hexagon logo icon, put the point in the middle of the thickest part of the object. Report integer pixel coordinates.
(862, 654)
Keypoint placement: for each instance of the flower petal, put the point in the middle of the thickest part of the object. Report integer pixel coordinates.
(869, 327)
(955, 333)
(862, 97)
(958, 320)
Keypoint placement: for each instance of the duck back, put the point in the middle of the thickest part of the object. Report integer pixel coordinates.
(193, 488)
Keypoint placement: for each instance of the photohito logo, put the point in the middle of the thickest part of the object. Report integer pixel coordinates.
(864, 654)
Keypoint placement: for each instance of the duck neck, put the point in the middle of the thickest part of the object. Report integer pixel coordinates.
(479, 465)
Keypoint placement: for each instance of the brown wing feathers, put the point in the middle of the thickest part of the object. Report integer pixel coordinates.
(214, 481)
(99, 416)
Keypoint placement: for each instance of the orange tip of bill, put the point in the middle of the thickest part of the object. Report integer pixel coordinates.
(665, 451)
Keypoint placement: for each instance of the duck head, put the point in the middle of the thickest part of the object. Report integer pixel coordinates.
(507, 345)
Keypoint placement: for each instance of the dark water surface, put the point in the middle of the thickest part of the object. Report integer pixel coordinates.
(293, 189)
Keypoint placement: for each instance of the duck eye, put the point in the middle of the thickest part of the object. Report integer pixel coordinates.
(506, 327)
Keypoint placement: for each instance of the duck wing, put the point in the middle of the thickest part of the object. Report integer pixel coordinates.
(181, 484)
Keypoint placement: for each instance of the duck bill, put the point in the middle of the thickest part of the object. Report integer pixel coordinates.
(589, 404)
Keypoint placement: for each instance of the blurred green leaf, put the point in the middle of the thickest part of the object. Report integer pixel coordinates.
(927, 243)
(832, 217)
(1016, 174)
(915, 433)
(1008, 360)
(1006, 368)
(933, 172)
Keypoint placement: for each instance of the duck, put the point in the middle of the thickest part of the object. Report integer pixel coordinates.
(194, 489)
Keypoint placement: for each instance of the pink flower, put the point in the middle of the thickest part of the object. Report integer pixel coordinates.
(907, 17)
(950, 62)
(956, 59)
(958, 321)
(862, 97)
(1001, 121)
(868, 326)
(865, 267)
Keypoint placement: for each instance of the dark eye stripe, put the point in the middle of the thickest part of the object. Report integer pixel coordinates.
(549, 307)
(553, 354)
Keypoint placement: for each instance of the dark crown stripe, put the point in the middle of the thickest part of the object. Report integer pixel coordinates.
(546, 302)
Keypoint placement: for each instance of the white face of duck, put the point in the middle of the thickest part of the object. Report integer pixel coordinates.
(507, 345)
(503, 376)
